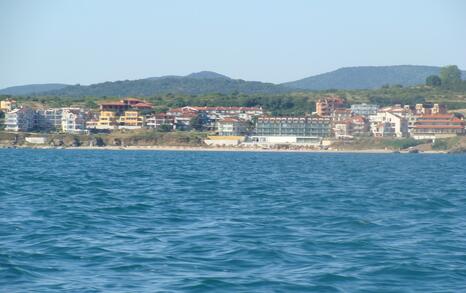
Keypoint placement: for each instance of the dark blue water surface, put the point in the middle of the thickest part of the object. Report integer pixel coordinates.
(155, 221)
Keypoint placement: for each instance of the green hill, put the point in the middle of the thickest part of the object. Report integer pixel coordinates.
(31, 89)
(366, 77)
(196, 83)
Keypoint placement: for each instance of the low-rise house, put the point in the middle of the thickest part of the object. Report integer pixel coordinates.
(231, 127)
(8, 105)
(437, 126)
(20, 119)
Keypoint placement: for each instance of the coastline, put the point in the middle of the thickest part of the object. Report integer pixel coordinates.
(225, 149)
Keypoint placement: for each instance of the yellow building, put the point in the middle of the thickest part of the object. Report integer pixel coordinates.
(107, 120)
(131, 120)
(7, 105)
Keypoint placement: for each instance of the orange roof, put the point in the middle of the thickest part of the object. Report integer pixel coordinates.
(132, 99)
(438, 116)
(454, 120)
(113, 103)
(142, 105)
(439, 126)
(229, 120)
(343, 110)
(227, 108)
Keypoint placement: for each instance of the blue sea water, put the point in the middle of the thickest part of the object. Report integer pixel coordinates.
(159, 221)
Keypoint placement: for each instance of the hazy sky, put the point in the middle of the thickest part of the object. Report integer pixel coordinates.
(276, 41)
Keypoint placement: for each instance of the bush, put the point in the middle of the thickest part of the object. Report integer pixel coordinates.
(445, 144)
(403, 143)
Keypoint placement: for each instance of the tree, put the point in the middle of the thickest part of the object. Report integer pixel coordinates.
(165, 128)
(433, 80)
(450, 75)
(197, 123)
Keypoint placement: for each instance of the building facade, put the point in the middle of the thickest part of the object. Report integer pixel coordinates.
(325, 106)
(231, 127)
(131, 119)
(107, 120)
(8, 105)
(437, 126)
(389, 124)
(21, 119)
(365, 110)
(294, 126)
(73, 121)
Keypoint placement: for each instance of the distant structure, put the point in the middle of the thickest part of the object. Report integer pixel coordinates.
(8, 105)
(292, 129)
(21, 119)
(325, 106)
(364, 109)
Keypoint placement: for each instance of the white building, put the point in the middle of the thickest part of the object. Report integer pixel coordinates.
(156, 121)
(73, 121)
(22, 119)
(231, 127)
(49, 119)
(390, 124)
(364, 109)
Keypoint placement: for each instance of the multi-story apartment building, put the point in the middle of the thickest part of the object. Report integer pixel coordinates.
(7, 105)
(437, 126)
(341, 114)
(73, 121)
(156, 121)
(125, 104)
(229, 126)
(292, 129)
(21, 119)
(365, 110)
(49, 119)
(325, 106)
(131, 119)
(391, 124)
(430, 109)
(107, 120)
(351, 127)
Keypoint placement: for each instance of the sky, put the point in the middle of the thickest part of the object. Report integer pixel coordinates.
(91, 41)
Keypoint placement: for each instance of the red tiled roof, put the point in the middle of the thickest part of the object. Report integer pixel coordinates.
(132, 99)
(439, 126)
(227, 108)
(342, 110)
(229, 120)
(112, 104)
(454, 120)
(438, 116)
(142, 105)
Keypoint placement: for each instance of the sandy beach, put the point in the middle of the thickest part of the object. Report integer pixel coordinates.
(240, 149)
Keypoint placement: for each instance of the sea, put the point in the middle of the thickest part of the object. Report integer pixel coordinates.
(187, 221)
